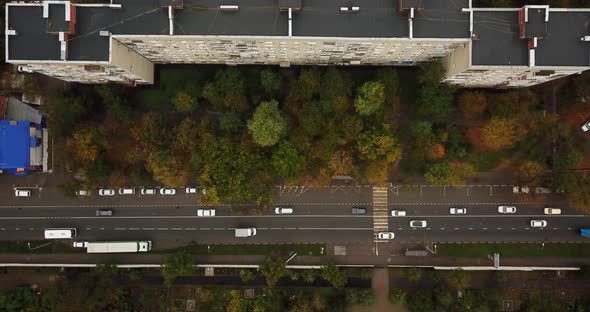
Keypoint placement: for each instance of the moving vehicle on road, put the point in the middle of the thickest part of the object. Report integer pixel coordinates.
(359, 210)
(386, 235)
(586, 126)
(585, 233)
(542, 190)
(119, 247)
(552, 211)
(205, 212)
(283, 210)
(457, 211)
(126, 191)
(80, 244)
(398, 213)
(520, 189)
(147, 191)
(418, 223)
(22, 193)
(538, 223)
(191, 190)
(104, 212)
(66, 233)
(167, 191)
(106, 192)
(245, 232)
(506, 209)
(82, 193)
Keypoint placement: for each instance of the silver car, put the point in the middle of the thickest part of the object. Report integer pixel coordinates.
(506, 209)
(457, 211)
(418, 223)
(167, 191)
(538, 223)
(205, 212)
(106, 192)
(386, 235)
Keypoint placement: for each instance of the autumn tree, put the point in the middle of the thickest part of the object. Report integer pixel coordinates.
(511, 104)
(443, 173)
(84, 145)
(273, 269)
(184, 102)
(500, 133)
(434, 97)
(377, 173)
(472, 104)
(308, 84)
(287, 161)
(379, 143)
(267, 125)
(341, 163)
(370, 98)
(334, 275)
(180, 263)
(458, 279)
(530, 171)
(390, 80)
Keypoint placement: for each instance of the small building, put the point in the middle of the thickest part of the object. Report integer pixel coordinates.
(23, 140)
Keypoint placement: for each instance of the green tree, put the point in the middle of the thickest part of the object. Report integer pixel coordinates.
(435, 101)
(334, 275)
(308, 275)
(231, 122)
(422, 132)
(246, 275)
(184, 102)
(388, 77)
(267, 125)
(458, 279)
(443, 296)
(287, 161)
(273, 269)
(334, 84)
(66, 112)
(530, 171)
(356, 296)
(270, 81)
(501, 133)
(472, 104)
(308, 83)
(441, 174)
(180, 263)
(370, 98)
(114, 100)
(414, 274)
(511, 104)
(379, 143)
(398, 297)
(236, 302)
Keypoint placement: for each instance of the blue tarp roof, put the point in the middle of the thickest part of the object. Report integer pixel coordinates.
(14, 144)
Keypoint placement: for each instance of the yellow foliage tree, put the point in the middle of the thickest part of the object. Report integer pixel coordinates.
(83, 145)
(500, 133)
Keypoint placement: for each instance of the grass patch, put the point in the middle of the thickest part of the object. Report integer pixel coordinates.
(282, 249)
(514, 250)
(39, 247)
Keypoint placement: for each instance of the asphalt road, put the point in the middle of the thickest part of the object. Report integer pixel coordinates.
(320, 215)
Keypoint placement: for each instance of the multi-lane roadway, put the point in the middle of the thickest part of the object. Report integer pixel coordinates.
(320, 214)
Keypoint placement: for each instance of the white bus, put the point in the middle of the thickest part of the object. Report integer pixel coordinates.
(118, 247)
(68, 233)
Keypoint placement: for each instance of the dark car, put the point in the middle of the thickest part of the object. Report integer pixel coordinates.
(104, 212)
(359, 210)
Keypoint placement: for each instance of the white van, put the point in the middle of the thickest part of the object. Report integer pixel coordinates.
(245, 232)
(283, 210)
(60, 233)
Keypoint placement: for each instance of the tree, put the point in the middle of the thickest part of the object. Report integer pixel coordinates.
(84, 145)
(458, 279)
(334, 84)
(388, 77)
(308, 83)
(231, 122)
(355, 296)
(246, 275)
(414, 274)
(184, 102)
(443, 296)
(377, 173)
(472, 104)
(236, 302)
(379, 143)
(334, 275)
(270, 81)
(341, 163)
(370, 98)
(267, 125)
(398, 297)
(530, 171)
(66, 112)
(113, 99)
(287, 161)
(180, 263)
(422, 132)
(273, 269)
(500, 133)
(308, 275)
(443, 173)
(435, 101)
(511, 104)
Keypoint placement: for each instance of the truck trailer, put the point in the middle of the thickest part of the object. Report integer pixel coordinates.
(119, 247)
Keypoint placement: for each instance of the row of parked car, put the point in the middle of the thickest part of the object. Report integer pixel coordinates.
(132, 191)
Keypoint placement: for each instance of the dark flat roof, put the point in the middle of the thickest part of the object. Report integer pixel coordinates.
(442, 19)
(57, 18)
(562, 45)
(32, 41)
(255, 17)
(536, 26)
(499, 42)
(87, 44)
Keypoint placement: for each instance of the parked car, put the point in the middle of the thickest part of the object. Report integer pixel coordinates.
(359, 210)
(418, 223)
(520, 189)
(457, 211)
(538, 223)
(542, 190)
(82, 193)
(191, 190)
(167, 191)
(506, 209)
(106, 192)
(586, 126)
(398, 213)
(205, 212)
(386, 235)
(552, 211)
(104, 212)
(147, 191)
(80, 244)
(126, 191)
(283, 210)
(22, 193)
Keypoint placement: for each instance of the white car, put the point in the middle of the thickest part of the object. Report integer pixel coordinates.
(80, 244)
(106, 192)
(167, 191)
(283, 210)
(457, 211)
(398, 213)
(22, 193)
(82, 193)
(205, 212)
(126, 191)
(538, 223)
(506, 209)
(191, 190)
(552, 211)
(386, 235)
(586, 126)
(147, 191)
(520, 190)
(418, 223)
(542, 190)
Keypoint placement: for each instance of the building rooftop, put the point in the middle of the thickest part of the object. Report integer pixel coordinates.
(562, 46)
(497, 40)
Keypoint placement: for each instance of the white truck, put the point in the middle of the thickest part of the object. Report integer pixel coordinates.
(119, 247)
(245, 232)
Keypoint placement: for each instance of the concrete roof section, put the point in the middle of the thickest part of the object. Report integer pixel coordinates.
(441, 19)
(496, 39)
(31, 41)
(563, 45)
